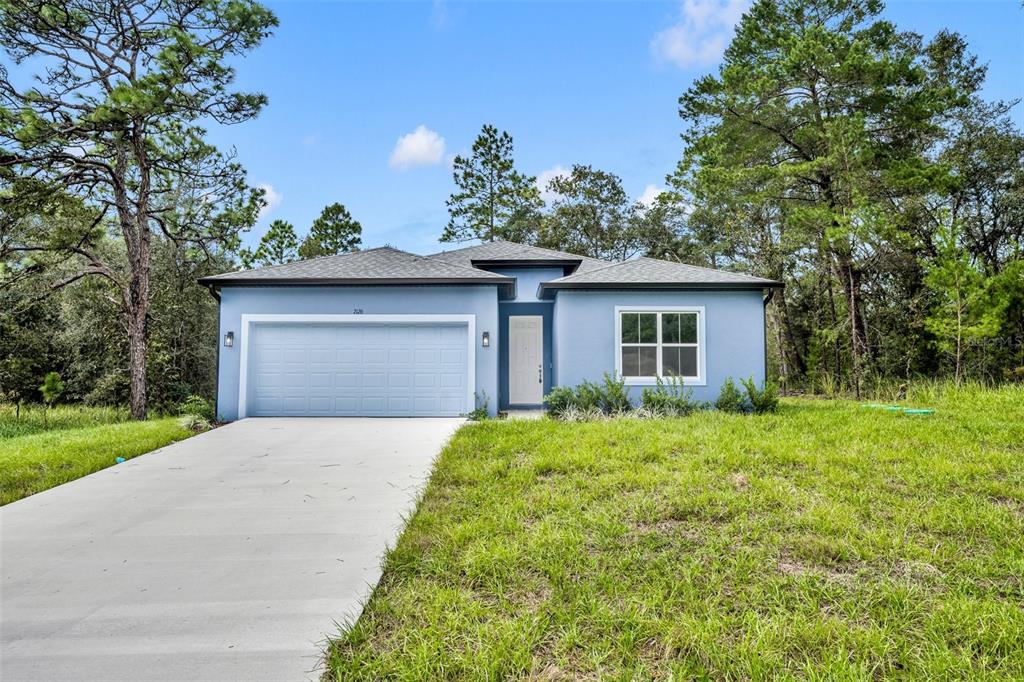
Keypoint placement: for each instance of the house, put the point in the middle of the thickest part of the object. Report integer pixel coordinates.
(382, 332)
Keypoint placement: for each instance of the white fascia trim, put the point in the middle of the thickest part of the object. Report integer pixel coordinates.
(701, 380)
(249, 320)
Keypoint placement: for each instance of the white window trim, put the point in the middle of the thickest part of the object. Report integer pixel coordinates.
(249, 320)
(700, 380)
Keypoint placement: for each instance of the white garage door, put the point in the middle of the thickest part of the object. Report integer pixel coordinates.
(357, 369)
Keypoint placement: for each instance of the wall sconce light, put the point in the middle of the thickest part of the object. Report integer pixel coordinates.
(486, 340)
(229, 339)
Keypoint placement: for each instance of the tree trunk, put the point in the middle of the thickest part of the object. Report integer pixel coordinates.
(851, 281)
(136, 312)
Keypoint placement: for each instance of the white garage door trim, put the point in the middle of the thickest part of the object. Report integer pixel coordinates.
(249, 320)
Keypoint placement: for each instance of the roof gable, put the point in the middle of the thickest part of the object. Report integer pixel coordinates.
(513, 252)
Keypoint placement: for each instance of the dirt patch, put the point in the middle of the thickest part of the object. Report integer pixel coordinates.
(739, 481)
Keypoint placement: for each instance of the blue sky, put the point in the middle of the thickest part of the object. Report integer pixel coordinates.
(573, 82)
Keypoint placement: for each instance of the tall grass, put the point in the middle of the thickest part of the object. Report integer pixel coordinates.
(37, 419)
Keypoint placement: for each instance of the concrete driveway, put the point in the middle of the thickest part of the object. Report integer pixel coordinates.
(228, 556)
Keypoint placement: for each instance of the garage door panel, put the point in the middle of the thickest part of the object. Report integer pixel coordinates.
(354, 369)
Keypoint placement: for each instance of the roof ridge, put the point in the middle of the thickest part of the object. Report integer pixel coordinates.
(520, 248)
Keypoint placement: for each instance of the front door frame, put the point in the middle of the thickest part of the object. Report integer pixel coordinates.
(540, 364)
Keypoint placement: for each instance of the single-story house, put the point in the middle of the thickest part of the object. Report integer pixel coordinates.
(383, 332)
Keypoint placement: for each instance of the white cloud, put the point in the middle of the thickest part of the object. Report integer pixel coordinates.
(544, 177)
(421, 147)
(650, 195)
(702, 33)
(272, 198)
(439, 15)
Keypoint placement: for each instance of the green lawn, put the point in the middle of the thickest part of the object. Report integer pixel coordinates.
(78, 441)
(828, 541)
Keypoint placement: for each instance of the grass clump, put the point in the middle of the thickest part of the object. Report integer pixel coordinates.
(26, 420)
(79, 441)
(823, 541)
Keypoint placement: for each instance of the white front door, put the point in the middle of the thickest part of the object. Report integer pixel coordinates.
(525, 359)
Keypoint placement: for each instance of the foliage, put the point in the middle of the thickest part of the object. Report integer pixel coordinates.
(198, 406)
(763, 400)
(963, 311)
(277, 246)
(669, 398)
(591, 215)
(194, 423)
(25, 420)
(608, 397)
(823, 152)
(730, 399)
(559, 400)
(107, 142)
(32, 463)
(52, 388)
(492, 199)
(887, 545)
(334, 232)
(613, 395)
(482, 410)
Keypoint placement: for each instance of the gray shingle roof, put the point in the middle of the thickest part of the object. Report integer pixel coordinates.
(386, 265)
(373, 266)
(654, 273)
(510, 251)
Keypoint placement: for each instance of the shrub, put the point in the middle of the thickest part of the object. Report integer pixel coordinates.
(730, 399)
(194, 423)
(559, 400)
(764, 400)
(608, 397)
(481, 411)
(198, 406)
(668, 398)
(588, 396)
(613, 396)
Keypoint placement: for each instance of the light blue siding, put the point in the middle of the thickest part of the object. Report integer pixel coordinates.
(479, 301)
(528, 279)
(585, 343)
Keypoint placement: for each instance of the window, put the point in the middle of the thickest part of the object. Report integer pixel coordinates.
(659, 344)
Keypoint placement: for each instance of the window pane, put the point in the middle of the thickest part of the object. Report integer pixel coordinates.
(688, 325)
(648, 361)
(670, 328)
(630, 361)
(630, 327)
(688, 361)
(648, 327)
(679, 361)
(670, 361)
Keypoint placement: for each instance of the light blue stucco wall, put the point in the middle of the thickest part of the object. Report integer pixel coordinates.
(585, 345)
(528, 280)
(481, 301)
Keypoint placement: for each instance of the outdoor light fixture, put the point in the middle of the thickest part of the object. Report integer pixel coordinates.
(486, 340)
(229, 339)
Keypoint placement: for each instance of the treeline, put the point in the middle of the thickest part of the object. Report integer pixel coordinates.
(855, 162)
